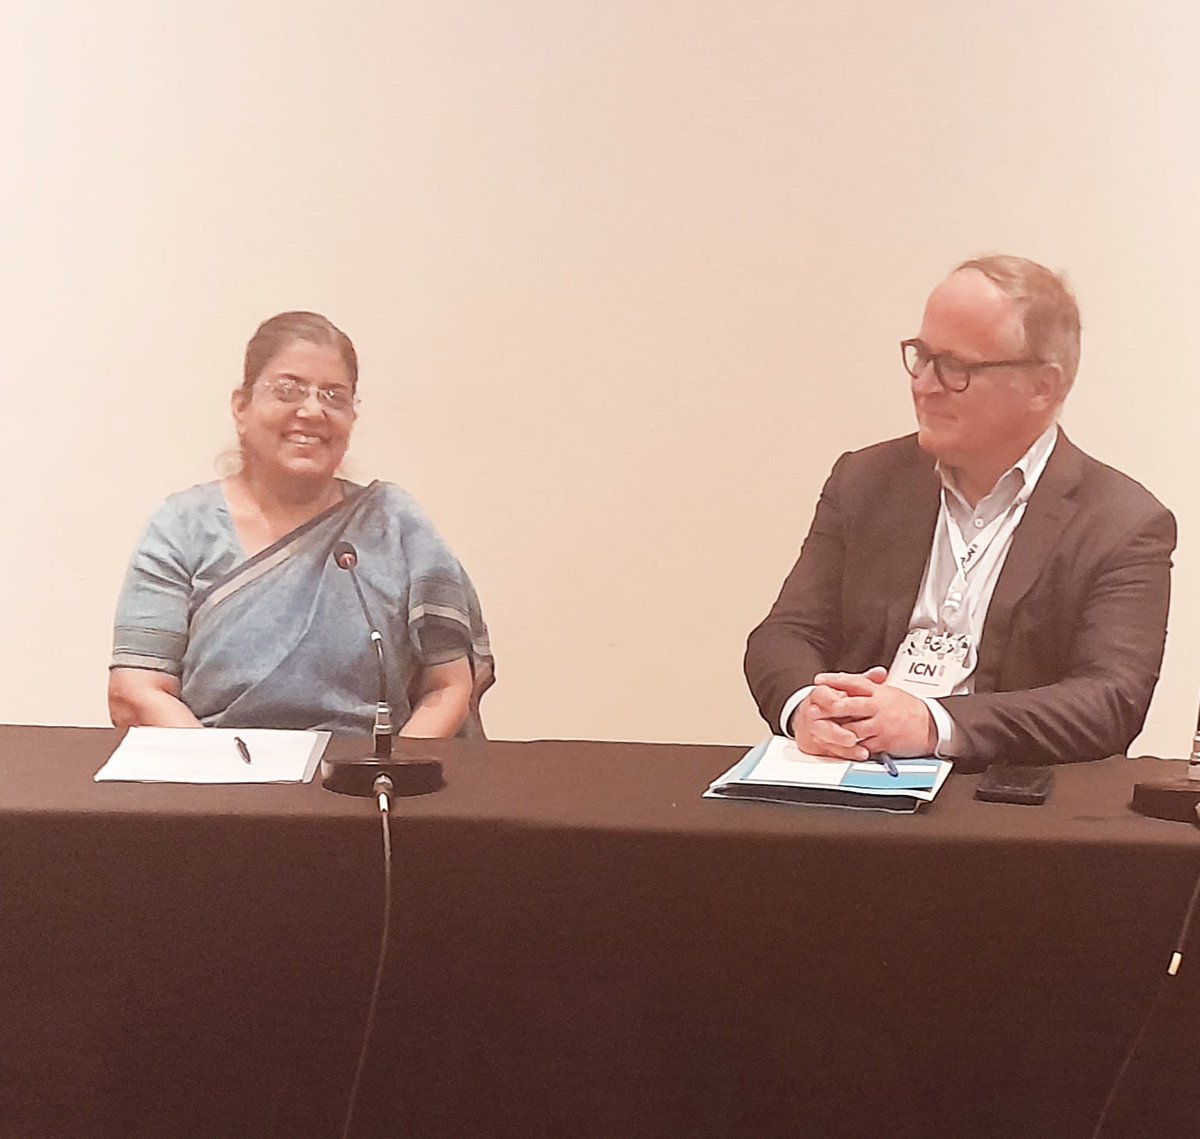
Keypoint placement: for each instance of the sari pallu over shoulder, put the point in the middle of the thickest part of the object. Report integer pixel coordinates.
(280, 640)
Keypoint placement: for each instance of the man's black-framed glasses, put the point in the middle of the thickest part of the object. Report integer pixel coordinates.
(952, 373)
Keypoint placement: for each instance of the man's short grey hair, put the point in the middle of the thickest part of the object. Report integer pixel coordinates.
(1049, 314)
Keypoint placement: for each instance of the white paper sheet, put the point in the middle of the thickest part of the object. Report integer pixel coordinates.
(211, 755)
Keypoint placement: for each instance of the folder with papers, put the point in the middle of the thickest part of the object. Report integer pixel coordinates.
(778, 771)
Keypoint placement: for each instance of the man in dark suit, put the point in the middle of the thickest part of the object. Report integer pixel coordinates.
(982, 590)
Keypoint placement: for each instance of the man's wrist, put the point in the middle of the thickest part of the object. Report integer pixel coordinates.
(789, 710)
(942, 735)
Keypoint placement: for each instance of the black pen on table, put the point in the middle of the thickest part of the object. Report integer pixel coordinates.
(243, 750)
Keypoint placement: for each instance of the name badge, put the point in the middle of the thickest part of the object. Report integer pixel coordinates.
(929, 663)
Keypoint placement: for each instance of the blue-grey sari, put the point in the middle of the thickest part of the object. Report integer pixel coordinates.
(278, 640)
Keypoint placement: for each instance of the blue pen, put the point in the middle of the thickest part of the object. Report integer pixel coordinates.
(889, 765)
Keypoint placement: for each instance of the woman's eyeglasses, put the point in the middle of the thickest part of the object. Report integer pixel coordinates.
(287, 390)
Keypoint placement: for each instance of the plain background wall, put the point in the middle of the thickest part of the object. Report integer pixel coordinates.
(625, 278)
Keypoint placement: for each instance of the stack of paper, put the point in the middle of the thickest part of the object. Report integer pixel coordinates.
(778, 771)
(213, 755)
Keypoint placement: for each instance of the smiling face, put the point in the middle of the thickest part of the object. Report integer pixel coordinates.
(302, 441)
(982, 431)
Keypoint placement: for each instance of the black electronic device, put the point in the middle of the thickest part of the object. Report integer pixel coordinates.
(1011, 783)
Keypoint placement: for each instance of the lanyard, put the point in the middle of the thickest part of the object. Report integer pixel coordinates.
(967, 558)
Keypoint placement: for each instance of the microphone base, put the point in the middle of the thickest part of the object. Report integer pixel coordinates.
(1174, 799)
(415, 775)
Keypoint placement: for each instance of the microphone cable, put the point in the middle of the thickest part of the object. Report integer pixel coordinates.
(382, 789)
(1156, 1000)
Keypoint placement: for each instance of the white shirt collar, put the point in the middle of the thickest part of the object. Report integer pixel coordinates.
(1016, 484)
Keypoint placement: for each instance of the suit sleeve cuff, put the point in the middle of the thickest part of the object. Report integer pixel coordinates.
(793, 702)
(945, 728)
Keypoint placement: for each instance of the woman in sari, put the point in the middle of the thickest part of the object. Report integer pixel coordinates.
(234, 612)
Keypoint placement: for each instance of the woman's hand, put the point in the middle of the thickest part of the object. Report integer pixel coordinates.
(142, 697)
(443, 698)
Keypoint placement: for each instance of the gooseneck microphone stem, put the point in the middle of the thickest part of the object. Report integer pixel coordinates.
(345, 556)
(1194, 758)
(383, 710)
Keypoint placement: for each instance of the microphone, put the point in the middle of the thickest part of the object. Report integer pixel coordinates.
(377, 775)
(345, 556)
(1176, 798)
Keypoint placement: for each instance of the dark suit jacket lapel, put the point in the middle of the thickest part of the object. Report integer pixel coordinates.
(904, 550)
(1050, 508)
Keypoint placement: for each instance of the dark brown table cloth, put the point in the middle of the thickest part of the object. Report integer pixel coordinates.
(584, 947)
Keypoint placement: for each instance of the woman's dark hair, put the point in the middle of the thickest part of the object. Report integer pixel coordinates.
(274, 335)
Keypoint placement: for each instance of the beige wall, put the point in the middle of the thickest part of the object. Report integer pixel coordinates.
(625, 278)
